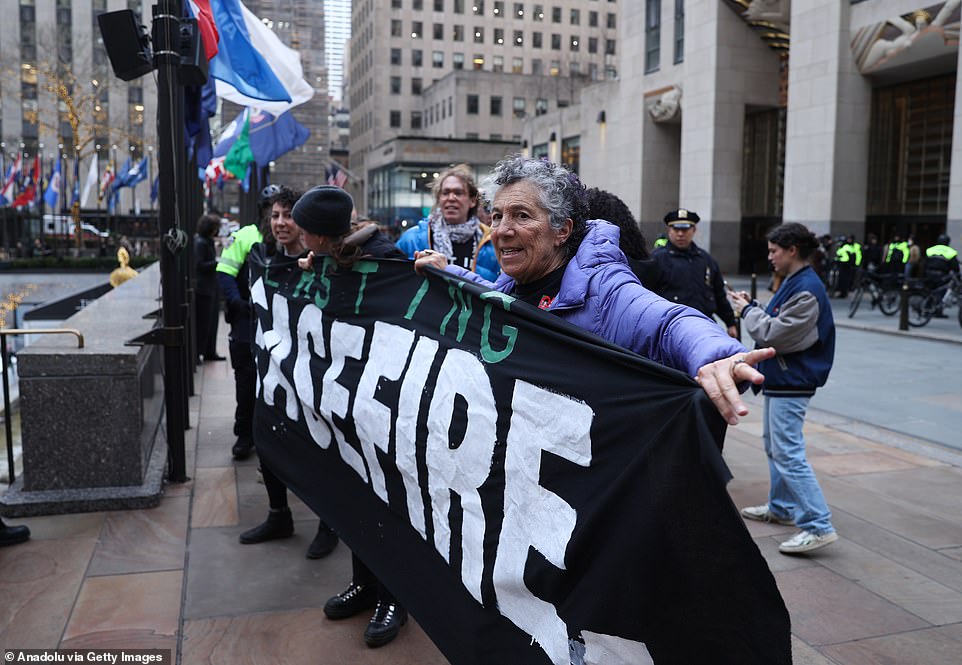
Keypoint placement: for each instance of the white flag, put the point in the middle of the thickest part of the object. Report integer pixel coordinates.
(93, 176)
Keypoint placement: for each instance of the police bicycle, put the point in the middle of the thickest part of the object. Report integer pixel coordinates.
(882, 289)
(924, 303)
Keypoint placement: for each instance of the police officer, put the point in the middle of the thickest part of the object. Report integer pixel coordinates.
(849, 257)
(896, 255)
(234, 283)
(940, 261)
(688, 274)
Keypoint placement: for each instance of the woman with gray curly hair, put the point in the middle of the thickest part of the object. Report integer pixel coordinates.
(552, 257)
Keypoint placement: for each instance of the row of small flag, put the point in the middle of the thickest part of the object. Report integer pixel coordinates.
(21, 188)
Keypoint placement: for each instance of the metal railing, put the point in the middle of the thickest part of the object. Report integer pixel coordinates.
(4, 360)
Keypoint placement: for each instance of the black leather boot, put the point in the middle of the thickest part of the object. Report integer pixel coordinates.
(279, 524)
(385, 624)
(353, 600)
(12, 535)
(243, 448)
(324, 542)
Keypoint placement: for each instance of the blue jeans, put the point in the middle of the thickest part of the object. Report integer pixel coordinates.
(794, 491)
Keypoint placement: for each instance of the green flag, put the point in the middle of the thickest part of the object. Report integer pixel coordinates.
(240, 155)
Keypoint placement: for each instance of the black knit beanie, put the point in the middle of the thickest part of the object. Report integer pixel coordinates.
(324, 211)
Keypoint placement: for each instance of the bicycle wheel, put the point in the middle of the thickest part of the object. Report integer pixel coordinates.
(920, 312)
(856, 301)
(888, 302)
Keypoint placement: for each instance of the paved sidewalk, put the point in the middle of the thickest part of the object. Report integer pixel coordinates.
(175, 577)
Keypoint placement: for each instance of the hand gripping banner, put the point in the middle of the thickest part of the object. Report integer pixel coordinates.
(531, 493)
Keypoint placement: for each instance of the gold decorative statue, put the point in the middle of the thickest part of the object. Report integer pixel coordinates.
(124, 272)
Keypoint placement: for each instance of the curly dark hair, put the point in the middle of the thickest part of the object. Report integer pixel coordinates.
(607, 206)
(793, 234)
(287, 197)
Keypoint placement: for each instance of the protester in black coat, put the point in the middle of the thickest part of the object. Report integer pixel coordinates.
(324, 215)
(206, 292)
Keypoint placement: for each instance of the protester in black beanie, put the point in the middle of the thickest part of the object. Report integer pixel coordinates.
(324, 215)
(324, 211)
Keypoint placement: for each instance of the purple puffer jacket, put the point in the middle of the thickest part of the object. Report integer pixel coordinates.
(600, 293)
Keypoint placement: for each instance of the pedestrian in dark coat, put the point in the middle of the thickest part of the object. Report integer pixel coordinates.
(206, 293)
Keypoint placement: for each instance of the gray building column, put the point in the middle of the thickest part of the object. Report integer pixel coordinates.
(829, 110)
(733, 69)
(953, 224)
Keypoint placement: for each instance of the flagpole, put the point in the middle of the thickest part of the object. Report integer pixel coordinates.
(170, 125)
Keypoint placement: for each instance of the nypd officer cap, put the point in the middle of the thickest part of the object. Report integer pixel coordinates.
(681, 218)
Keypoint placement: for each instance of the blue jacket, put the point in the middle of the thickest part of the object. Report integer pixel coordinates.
(601, 294)
(485, 261)
(798, 323)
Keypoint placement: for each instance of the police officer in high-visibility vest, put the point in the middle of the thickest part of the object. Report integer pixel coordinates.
(849, 258)
(940, 261)
(234, 283)
(896, 255)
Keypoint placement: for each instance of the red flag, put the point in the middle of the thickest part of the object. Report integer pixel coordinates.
(26, 197)
(208, 29)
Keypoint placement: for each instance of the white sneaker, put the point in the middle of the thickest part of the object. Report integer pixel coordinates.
(806, 541)
(763, 514)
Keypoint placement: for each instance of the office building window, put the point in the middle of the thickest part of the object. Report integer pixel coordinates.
(499, 36)
(571, 153)
(575, 17)
(592, 19)
(416, 57)
(495, 105)
(652, 35)
(540, 150)
(592, 44)
(457, 60)
(573, 43)
(517, 65)
(612, 21)
(554, 68)
(479, 35)
(416, 85)
(478, 61)
(497, 63)
(536, 39)
(395, 85)
(538, 13)
(395, 27)
(477, 7)
(437, 59)
(415, 120)
(417, 29)
(471, 136)
(417, 4)
(518, 104)
(395, 119)
(458, 33)
(395, 56)
(395, 4)
(439, 5)
(518, 37)
(555, 42)
(472, 105)
(537, 67)
(556, 14)
(518, 10)
(540, 106)
(458, 6)
(679, 31)
(439, 31)
(610, 47)
(499, 8)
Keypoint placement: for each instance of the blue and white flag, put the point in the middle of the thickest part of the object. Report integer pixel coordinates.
(270, 137)
(75, 189)
(120, 179)
(137, 174)
(155, 189)
(52, 196)
(253, 67)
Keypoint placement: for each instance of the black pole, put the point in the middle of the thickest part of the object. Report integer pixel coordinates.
(170, 160)
(7, 416)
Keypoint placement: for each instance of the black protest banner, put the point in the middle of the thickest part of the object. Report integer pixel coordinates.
(529, 492)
